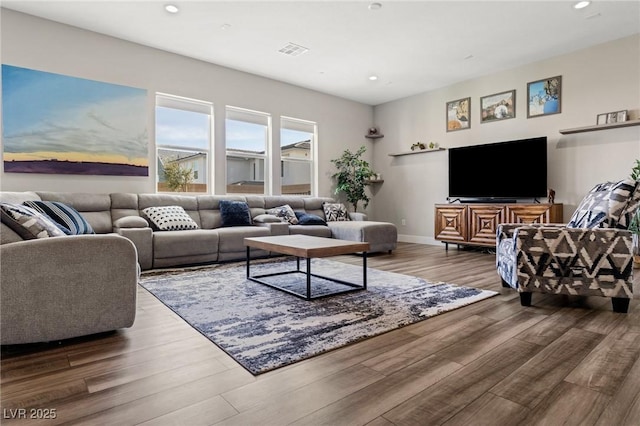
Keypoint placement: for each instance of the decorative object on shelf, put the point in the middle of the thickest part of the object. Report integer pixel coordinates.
(352, 176)
(544, 97)
(418, 145)
(458, 114)
(499, 106)
(552, 196)
(613, 117)
(433, 145)
(373, 131)
(601, 119)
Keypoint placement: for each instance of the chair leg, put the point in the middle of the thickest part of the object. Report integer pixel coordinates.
(620, 304)
(505, 284)
(525, 299)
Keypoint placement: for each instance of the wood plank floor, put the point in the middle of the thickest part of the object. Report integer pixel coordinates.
(565, 360)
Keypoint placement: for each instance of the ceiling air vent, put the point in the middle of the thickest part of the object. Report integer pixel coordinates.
(292, 49)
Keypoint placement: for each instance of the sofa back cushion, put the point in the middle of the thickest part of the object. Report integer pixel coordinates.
(94, 208)
(314, 205)
(604, 205)
(123, 205)
(209, 206)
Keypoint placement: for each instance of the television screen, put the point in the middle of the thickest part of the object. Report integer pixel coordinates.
(504, 170)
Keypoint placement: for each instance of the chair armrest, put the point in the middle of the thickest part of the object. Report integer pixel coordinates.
(62, 287)
(584, 261)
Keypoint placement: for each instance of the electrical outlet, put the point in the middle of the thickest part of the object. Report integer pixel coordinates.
(404, 222)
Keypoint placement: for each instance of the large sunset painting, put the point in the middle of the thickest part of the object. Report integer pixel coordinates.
(59, 124)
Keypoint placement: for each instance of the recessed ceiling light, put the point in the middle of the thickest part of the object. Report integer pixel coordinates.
(225, 27)
(373, 77)
(171, 8)
(375, 6)
(581, 4)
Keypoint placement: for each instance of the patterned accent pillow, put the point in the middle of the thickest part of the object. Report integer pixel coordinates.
(28, 223)
(285, 213)
(68, 219)
(170, 218)
(603, 206)
(335, 212)
(235, 213)
(630, 208)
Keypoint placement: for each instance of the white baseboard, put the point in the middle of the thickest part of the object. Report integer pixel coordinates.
(417, 239)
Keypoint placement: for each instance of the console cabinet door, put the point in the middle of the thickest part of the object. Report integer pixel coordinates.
(533, 213)
(483, 222)
(451, 223)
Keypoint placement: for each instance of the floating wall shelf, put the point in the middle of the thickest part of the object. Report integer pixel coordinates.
(418, 151)
(374, 136)
(600, 127)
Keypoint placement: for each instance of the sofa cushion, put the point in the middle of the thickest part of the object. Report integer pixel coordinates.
(335, 212)
(309, 219)
(234, 213)
(68, 219)
(170, 218)
(285, 213)
(28, 223)
(603, 206)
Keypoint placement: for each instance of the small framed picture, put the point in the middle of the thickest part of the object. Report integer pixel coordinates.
(459, 114)
(544, 97)
(612, 117)
(499, 106)
(622, 116)
(601, 119)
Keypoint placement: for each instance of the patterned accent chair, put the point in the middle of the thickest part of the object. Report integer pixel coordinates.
(589, 256)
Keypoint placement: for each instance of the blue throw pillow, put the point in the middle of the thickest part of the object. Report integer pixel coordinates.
(68, 219)
(309, 219)
(235, 213)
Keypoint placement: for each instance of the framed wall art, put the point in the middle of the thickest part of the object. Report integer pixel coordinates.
(59, 124)
(499, 106)
(544, 97)
(459, 114)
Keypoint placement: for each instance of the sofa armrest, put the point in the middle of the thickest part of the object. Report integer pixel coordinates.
(130, 222)
(275, 228)
(142, 238)
(357, 216)
(63, 287)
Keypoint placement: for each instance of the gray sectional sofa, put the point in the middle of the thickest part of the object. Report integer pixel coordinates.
(56, 288)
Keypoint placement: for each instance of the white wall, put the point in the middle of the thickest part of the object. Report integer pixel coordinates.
(600, 79)
(44, 45)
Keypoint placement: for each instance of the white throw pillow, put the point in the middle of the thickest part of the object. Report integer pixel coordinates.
(170, 218)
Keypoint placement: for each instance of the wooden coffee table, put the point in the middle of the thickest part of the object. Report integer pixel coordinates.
(308, 247)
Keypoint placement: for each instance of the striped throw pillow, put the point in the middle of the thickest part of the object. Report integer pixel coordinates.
(68, 219)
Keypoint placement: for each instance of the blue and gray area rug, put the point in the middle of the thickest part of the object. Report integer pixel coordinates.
(263, 328)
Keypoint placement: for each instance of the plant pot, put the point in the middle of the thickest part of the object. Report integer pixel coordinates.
(636, 261)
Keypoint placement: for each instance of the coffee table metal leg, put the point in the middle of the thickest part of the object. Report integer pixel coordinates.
(248, 257)
(308, 278)
(364, 270)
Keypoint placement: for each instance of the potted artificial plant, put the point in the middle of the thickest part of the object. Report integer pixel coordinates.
(352, 176)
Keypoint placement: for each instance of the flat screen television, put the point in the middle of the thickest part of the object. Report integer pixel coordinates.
(501, 171)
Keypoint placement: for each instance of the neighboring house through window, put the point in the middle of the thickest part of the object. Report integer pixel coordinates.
(247, 141)
(183, 144)
(297, 147)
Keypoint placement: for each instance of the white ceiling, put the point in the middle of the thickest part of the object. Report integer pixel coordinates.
(413, 46)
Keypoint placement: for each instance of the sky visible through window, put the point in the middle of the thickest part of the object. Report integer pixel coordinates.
(180, 128)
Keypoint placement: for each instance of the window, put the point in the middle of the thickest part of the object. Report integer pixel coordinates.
(247, 142)
(183, 144)
(297, 145)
